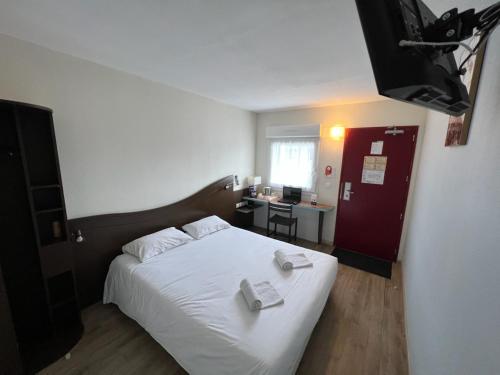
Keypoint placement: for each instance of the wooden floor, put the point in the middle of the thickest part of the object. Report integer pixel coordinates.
(361, 331)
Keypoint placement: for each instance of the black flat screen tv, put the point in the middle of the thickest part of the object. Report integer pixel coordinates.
(419, 75)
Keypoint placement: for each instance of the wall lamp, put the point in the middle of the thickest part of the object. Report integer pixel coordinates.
(78, 236)
(337, 132)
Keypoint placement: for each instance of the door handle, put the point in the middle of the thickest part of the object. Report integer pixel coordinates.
(346, 194)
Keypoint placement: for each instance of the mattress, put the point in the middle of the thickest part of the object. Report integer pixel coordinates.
(188, 299)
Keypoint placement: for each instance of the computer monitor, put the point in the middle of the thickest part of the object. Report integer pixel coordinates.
(292, 194)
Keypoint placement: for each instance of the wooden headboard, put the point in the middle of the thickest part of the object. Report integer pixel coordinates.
(104, 235)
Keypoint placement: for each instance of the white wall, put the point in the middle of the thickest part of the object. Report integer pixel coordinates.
(126, 143)
(381, 113)
(452, 261)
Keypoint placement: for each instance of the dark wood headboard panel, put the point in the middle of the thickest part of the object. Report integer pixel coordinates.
(104, 235)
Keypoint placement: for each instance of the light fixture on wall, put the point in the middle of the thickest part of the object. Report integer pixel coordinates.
(337, 132)
(78, 236)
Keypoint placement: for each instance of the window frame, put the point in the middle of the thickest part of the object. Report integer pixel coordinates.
(317, 143)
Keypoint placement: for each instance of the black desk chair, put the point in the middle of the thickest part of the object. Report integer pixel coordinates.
(281, 220)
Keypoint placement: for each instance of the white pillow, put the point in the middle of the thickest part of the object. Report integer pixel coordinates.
(156, 243)
(203, 227)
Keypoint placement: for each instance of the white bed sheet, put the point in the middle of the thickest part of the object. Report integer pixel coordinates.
(188, 300)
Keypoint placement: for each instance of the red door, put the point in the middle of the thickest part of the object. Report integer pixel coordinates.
(374, 182)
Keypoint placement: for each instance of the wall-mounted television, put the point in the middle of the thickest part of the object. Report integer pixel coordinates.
(411, 50)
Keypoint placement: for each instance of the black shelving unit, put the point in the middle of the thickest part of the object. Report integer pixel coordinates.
(37, 280)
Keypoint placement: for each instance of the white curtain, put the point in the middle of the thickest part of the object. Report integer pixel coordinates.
(293, 163)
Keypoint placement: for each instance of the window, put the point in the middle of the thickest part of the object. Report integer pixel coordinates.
(293, 162)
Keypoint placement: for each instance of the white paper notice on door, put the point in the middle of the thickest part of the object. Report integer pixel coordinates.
(374, 170)
(377, 148)
(373, 177)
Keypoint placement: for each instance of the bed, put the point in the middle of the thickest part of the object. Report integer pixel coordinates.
(188, 300)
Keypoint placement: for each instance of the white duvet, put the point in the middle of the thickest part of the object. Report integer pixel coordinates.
(188, 299)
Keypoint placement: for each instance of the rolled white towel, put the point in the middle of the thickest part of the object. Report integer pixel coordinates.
(260, 295)
(250, 295)
(290, 261)
(283, 260)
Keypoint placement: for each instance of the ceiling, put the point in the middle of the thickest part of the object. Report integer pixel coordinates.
(258, 55)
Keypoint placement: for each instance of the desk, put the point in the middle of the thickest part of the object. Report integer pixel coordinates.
(320, 208)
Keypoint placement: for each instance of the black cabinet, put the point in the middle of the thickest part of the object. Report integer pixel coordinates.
(244, 217)
(10, 359)
(39, 307)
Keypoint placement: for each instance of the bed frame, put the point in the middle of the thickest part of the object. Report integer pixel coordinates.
(104, 235)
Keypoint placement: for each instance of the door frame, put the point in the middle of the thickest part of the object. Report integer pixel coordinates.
(405, 193)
